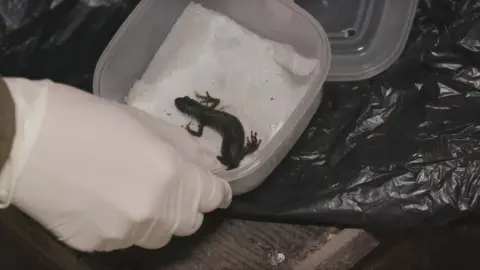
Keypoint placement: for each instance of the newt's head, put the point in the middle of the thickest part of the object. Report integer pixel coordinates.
(187, 105)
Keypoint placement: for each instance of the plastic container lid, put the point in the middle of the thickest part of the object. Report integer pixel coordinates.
(366, 36)
(128, 58)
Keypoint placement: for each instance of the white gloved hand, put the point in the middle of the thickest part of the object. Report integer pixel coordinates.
(103, 176)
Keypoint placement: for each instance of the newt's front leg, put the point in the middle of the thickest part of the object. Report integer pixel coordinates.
(208, 100)
(196, 133)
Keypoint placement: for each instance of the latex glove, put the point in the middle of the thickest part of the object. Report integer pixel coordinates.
(104, 176)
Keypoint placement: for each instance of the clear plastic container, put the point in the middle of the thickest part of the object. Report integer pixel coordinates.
(366, 36)
(130, 52)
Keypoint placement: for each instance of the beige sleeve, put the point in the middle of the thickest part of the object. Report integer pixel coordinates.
(7, 122)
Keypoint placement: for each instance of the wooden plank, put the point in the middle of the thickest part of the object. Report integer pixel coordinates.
(342, 252)
(220, 244)
(236, 244)
(41, 244)
(16, 256)
(254, 245)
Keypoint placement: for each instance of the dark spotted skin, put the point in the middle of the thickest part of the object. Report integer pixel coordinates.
(234, 148)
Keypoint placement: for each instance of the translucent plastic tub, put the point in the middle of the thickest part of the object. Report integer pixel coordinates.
(129, 57)
(366, 36)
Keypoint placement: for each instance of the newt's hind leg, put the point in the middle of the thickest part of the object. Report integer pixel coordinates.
(196, 133)
(252, 144)
(208, 100)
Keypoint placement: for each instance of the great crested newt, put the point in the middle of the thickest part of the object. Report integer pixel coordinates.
(234, 148)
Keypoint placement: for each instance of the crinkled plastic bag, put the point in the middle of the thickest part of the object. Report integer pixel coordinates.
(58, 39)
(401, 149)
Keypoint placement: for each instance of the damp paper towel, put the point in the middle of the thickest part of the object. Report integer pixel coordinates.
(207, 51)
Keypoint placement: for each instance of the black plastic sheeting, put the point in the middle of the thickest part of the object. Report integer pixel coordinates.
(401, 149)
(58, 39)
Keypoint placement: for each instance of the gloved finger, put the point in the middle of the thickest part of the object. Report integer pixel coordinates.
(189, 225)
(108, 245)
(187, 217)
(155, 237)
(156, 232)
(136, 232)
(214, 191)
(89, 242)
(82, 243)
(85, 240)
